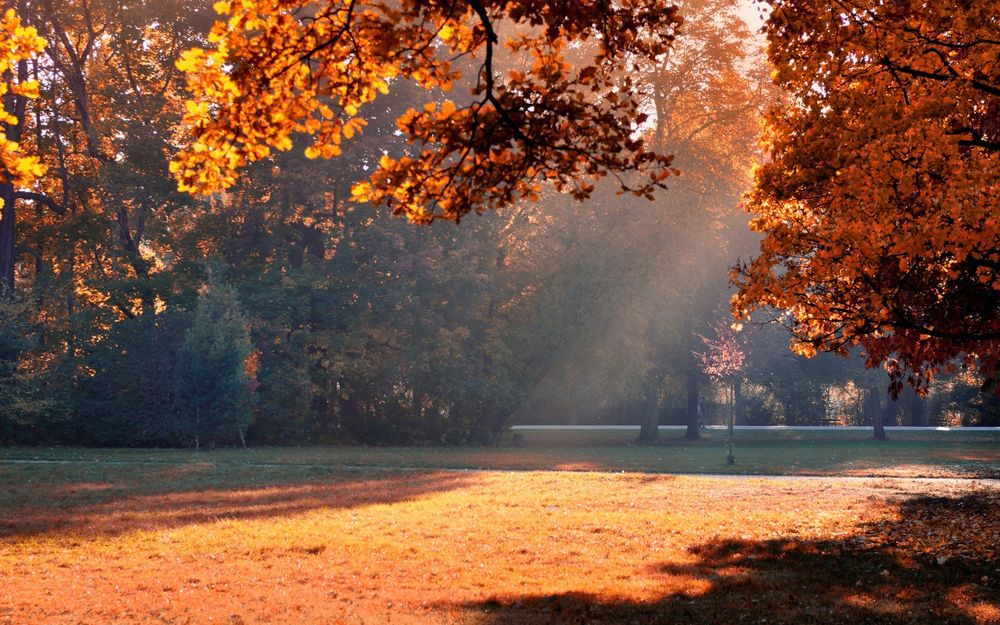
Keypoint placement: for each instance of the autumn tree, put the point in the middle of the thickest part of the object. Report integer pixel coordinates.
(722, 359)
(108, 100)
(281, 68)
(878, 206)
(19, 44)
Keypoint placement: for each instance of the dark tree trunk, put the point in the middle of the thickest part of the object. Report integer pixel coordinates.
(874, 414)
(693, 418)
(16, 106)
(7, 257)
(348, 416)
(649, 427)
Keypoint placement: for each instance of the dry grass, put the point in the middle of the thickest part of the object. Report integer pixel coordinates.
(205, 544)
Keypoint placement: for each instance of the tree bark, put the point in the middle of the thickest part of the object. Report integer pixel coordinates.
(872, 412)
(7, 238)
(649, 428)
(16, 106)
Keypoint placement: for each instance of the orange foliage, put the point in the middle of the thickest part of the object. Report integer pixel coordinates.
(879, 207)
(281, 67)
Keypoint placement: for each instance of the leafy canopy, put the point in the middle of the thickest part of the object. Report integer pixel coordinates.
(879, 204)
(281, 67)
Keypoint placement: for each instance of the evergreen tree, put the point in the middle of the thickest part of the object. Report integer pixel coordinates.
(213, 387)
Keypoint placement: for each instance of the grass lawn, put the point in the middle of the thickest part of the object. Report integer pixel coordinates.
(355, 535)
(837, 452)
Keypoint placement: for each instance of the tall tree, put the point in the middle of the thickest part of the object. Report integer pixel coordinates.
(878, 205)
(19, 44)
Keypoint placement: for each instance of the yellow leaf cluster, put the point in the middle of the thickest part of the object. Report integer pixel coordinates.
(17, 43)
(282, 68)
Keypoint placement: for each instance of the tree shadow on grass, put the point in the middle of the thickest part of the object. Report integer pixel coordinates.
(143, 498)
(939, 563)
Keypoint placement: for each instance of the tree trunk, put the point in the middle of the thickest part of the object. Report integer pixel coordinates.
(693, 418)
(7, 257)
(15, 106)
(872, 413)
(649, 427)
(732, 409)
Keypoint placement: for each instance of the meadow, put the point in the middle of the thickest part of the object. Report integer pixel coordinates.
(556, 531)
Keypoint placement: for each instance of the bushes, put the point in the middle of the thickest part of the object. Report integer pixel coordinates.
(124, 387)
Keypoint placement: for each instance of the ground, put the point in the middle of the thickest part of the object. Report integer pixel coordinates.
(355, 535)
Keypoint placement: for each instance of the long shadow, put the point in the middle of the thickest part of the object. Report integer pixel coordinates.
(899, 573)
(61, 501)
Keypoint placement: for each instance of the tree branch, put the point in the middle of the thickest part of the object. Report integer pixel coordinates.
(976, 84)
(41, 198)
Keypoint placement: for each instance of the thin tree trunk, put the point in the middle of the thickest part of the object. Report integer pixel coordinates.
(732, 408)
(730, 459)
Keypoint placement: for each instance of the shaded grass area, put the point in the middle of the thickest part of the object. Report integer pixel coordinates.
(783, 582)
(912, 454)
(118, 497)
(926, 562)
(198, 541)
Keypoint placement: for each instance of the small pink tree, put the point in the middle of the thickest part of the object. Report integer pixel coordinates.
(722, 360)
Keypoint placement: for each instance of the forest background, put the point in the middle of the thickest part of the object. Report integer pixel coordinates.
(282, 311)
